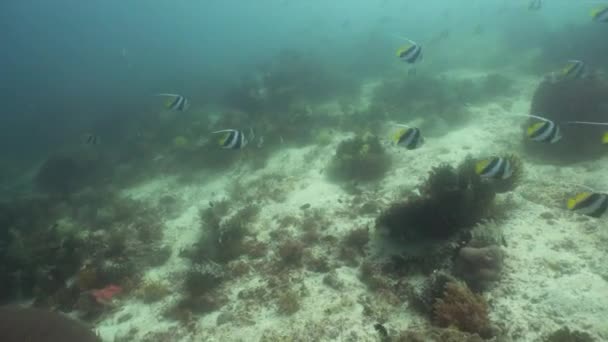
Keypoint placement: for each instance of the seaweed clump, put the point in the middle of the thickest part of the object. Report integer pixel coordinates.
(451, 200)
(459, 307)
(66, 174)
(567, 335)
(572, 100)
(223, 235)
(361, 158)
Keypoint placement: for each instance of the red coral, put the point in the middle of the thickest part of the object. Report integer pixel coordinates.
(105, 295)
(461, 308)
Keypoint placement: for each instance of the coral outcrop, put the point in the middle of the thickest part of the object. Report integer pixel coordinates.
(566, 100)
(459, 307)
(450, 200)
(361, 158)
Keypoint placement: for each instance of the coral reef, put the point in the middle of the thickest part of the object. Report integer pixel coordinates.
(222, 235)
(479, 263)
(36, 325)
(459, 307)
(288, 303)
(68, 173)
(152, 291)
(353, 245)
(440, 98)
(479, 266)
(451, 200)
(361, 158)
(290, 253)
(291, 78)
(62, 252)
(565, 100)
(567, 335)
(422, 296)
(436, 335)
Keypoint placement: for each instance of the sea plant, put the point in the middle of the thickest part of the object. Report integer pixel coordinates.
(566, 335)
(459, 307)
(361, 158)
(222, 235)
(450, 201)
(63, 174)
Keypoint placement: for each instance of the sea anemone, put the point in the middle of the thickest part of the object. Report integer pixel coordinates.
(451, 200)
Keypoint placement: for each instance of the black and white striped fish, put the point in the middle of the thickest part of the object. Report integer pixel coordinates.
(91, 139)
(497, 168)
(410, 52)
(592, 204)
(176, 102)
(410, 138)
(575, 69)
(535, 5)
(545, 131)
(233, 139)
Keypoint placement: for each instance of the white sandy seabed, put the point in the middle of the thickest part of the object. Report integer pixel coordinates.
(556, 266)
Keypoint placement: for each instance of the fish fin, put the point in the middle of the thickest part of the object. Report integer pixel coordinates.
(403, 49)
(568, 68)
(605, 139)
(596, 11)
(576, 199)
(397, 136)
(481, 165)
(169, 102)
(223, 131)
(223, 139)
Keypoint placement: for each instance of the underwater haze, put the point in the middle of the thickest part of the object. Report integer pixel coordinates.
(282, 170)
(69, 64)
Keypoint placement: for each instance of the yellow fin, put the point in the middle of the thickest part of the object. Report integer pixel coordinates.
(596, 11)
(169, 102)
(399, 134)
(403, 49)
(568, 68)
(481, 165)
(223, 139)
(605, 138)
(576, 199)
(535, 127)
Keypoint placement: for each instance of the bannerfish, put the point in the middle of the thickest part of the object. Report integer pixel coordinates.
(600, 14)
(410, 52)
(232, 139)
(410, 138)
(592, 204)
(91, 139)
(176, 102)
(545, 131)
(575, 69)
(535, 5)
(498, 168)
